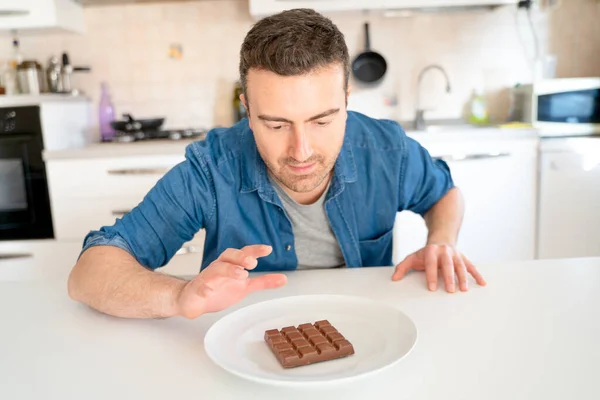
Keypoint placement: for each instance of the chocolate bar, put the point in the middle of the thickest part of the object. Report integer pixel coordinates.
(307, 344)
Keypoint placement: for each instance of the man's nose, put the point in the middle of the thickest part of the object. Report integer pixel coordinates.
(301, 149)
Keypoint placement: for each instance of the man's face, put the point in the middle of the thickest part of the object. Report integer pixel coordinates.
(298, 124)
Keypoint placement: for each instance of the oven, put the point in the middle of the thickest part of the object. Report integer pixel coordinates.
(24, 199)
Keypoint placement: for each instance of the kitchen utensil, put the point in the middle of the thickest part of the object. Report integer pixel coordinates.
(30, 77)
(131, 124)
(67, 71)
(381, 336)
(53, 73)
(369, 66)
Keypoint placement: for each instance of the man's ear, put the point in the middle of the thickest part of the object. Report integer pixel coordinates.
(245, 103)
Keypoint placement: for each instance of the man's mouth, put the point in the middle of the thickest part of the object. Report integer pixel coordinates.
(302, 169)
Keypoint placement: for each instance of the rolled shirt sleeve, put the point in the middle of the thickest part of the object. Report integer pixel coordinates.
(423, 180)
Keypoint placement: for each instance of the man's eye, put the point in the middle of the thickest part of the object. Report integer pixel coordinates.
(323, 123)
(277, 127)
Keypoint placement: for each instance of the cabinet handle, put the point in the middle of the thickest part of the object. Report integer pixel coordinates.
(139, 171)
(188, 250)
(13, 13)
(469, 157)
(120, 213)
(14, 256)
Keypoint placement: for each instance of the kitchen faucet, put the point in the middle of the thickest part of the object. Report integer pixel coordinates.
(420, 114)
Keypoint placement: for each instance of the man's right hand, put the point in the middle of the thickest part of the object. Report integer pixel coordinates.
(225, 282)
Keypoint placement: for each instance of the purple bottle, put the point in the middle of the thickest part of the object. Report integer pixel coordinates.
(106, 115)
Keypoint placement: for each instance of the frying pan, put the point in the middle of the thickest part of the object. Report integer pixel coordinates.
(369, 66)
(131, 124)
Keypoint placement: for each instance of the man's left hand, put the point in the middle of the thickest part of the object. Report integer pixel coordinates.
(444, 258)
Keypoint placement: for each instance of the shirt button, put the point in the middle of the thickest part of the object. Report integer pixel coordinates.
(288, 247)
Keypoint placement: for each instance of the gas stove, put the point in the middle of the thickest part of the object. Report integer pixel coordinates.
(161, 134)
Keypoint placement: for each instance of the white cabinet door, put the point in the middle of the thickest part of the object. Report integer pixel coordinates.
(570, 199)
(26, 260)
(498, 182)
(108, 177)
(41, 14)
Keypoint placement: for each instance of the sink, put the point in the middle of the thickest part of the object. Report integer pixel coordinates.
(441, 125)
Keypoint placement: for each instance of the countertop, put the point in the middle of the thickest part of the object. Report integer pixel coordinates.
(30, 99)
(167, 147)
(531, 334)
(110, 150)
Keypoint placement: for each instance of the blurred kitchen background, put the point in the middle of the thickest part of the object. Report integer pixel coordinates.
(180, 58)
(531, 181)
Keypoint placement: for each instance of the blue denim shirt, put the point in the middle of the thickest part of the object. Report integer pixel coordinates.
(223, 187)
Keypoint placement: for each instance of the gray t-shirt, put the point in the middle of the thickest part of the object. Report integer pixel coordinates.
(315, 242)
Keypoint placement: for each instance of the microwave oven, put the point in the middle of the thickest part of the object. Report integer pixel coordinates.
(559, 107)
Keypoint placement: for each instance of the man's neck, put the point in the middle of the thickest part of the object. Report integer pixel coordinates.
(307, 197)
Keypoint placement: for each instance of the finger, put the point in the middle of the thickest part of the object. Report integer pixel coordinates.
(473, 271)
(229, 270)
(431, 267)
(244, 257)
(448, 271)
(406, 265)
(269, 281)
(257, 250)
(461, 272)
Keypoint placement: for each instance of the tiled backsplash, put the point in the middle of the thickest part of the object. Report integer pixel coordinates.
(128, 46)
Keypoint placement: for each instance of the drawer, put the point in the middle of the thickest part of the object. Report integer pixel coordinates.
(75, 218)
(105, 178)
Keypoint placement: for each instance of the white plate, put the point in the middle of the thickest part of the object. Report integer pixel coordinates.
(381, 336)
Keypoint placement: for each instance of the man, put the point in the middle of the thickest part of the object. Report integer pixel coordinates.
(301, 184)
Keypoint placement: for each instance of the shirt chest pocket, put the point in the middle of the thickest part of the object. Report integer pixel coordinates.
(377, 252)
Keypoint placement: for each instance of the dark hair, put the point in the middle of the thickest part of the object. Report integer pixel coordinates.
(293, 42)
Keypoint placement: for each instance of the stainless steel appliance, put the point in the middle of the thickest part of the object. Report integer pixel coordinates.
(24, 200)
(559, 107)
(54, 75)
(135, 135)
(30, 77)
(567, 114)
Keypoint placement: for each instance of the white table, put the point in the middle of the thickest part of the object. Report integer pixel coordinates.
(533, 333)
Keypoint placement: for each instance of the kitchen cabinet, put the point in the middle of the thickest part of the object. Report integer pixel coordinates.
(64, 15)
(498, 180)
(569, 223)
(86, 194)
(34, 260)
(260, 8)
(24, 260)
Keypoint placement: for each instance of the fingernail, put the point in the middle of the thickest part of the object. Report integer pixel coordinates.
(432, 286)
